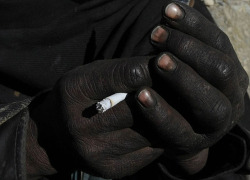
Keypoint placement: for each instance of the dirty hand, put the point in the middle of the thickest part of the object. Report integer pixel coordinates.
(202, 82)
(73, 134)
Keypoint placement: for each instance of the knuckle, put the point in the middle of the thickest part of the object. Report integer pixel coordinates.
(137, 74)
(225, 70)
(221, 40)
(185, 45)
(221, 114)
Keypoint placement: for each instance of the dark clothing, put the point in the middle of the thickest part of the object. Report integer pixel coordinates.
(40, 40)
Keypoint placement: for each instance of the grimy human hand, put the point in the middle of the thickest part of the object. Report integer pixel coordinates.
(201, 68)
(71, 135)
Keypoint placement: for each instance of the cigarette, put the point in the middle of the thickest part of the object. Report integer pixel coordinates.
(110, 102)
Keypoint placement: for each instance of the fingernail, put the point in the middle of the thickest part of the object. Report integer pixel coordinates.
(159, 34)
(166, 63)
(173, 11)
(146, 98)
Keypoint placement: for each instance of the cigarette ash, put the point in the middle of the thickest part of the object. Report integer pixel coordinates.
(110, 102)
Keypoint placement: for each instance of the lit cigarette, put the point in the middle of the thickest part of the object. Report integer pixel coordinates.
(110, 102)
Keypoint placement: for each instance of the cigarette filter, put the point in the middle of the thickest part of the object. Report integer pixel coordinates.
(110, 102)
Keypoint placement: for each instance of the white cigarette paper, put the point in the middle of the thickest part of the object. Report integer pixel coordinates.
(110, 102)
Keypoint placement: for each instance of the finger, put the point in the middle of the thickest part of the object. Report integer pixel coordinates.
(111, 144)
(211, 108)
(210, 63)
(176, 133)
(129, 164)
(192, 22)
(214, 66)
(100, 79)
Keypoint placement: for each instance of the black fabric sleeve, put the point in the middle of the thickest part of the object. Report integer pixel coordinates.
(13, 125)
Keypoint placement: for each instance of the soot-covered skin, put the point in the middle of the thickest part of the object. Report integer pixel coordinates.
(200, 67)
(103, 144)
